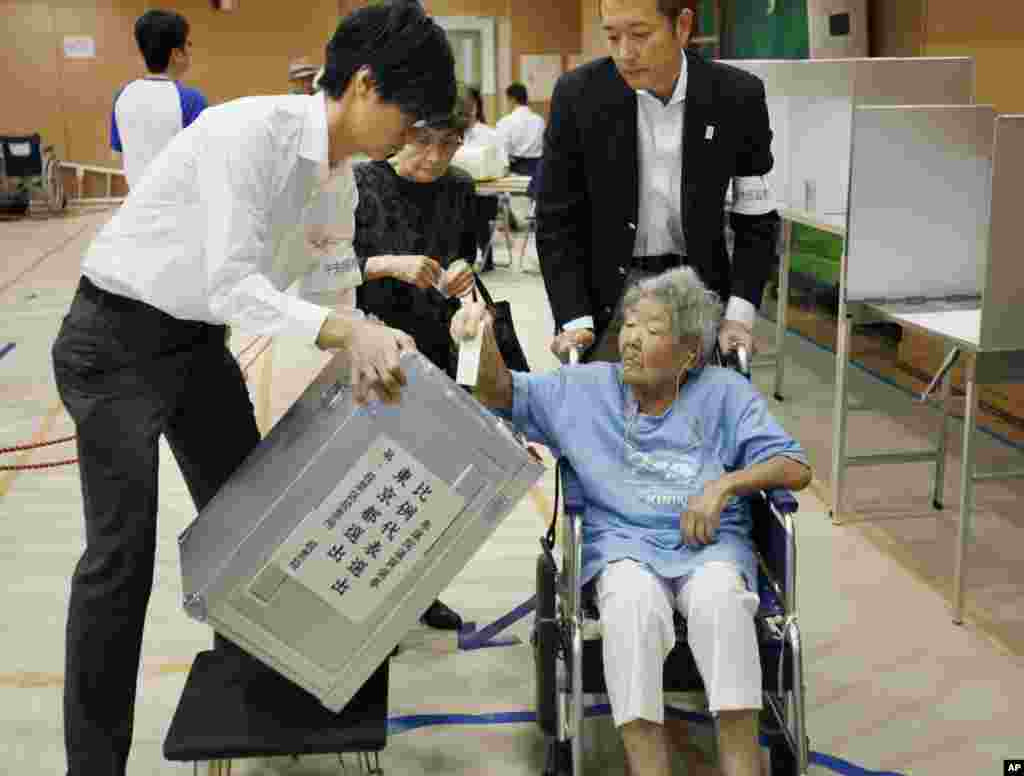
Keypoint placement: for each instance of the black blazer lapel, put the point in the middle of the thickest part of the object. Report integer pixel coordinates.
(619, 111)
(697, 112)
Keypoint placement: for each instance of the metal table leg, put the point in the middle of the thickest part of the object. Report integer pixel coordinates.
(839, 414)
(940, 448)
(782, 307)
(966, 489)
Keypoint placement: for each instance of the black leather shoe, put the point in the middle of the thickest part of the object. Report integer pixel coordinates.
(441, 617)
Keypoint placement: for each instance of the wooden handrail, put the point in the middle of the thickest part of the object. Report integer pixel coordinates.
(82, 169)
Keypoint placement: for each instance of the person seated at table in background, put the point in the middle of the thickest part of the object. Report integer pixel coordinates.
(411, 207)
(480, 135)
(523, 132)
(666, 448)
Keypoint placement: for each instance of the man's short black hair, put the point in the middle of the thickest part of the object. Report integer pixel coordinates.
(407, 53)
(670, 9)
(518, 93)
(158, 33)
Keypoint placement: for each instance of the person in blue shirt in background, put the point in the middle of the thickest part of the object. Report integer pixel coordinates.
(665, 449)
(149, 111)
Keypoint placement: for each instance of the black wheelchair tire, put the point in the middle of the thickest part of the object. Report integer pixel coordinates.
(783, 760)
(546, 643)
(558, 759)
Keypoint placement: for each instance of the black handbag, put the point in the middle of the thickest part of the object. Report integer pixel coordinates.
(504, 331)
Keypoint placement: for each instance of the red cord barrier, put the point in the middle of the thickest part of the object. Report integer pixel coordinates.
(69, 461)
(30, 466)
(20, 448)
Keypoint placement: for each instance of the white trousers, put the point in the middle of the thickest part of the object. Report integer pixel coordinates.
(636, 609)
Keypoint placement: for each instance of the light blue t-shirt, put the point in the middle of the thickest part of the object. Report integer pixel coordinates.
(638, 471)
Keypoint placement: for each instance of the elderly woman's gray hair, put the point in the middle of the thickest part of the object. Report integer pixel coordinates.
(696, 312)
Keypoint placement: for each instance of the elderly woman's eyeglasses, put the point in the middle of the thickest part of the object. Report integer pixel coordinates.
(445, 141)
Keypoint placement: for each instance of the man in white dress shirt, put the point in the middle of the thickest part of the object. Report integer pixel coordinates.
(199, 244)
(523, 132)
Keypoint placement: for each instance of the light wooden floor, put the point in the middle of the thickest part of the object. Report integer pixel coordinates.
(893, 686)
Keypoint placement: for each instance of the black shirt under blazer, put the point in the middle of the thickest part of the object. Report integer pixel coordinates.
(587, 202)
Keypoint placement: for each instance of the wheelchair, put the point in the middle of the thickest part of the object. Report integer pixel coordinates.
(568, 653)
(36, 169)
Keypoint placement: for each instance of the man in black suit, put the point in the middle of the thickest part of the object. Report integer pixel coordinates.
(639, 152)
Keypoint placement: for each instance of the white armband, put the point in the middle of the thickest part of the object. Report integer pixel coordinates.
(751, 196)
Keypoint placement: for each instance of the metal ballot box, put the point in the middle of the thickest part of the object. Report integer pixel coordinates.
(336, 533)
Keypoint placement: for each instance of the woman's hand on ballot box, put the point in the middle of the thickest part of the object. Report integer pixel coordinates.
(373, 350)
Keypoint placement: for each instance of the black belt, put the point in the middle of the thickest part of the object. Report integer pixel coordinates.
(141, 312)
(654, 265)
(110, 300)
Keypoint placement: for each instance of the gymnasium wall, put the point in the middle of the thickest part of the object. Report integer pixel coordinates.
(235, 54)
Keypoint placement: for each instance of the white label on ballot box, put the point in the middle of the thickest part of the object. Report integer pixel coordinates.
(370, 531)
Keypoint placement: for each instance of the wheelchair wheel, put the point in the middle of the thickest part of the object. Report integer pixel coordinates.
(559, 758)
(783, 759)
(53, 186)
(546, 644)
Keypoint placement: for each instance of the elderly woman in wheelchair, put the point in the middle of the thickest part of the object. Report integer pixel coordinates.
(665, 448)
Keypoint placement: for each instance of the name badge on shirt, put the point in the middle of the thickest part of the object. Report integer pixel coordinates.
(709, 133)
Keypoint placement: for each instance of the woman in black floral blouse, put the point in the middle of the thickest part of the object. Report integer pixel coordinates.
(416, 204)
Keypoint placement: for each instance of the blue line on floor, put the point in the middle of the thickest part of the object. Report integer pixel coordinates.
(410, 722)
(5, 349)
(882, 378)
(482, 638)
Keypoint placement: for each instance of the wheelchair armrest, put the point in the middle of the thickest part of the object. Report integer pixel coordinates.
(775, 539)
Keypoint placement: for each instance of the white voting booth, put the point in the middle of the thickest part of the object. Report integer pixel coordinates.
(933, 243)
(323, 549)
(811, 105)
(811, 102)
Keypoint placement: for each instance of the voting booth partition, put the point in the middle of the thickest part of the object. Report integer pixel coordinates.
(331, 539)
(932, 244)
(934, 220)
(810, 106)
(811, 103)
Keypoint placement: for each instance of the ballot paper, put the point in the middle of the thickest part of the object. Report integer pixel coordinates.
(468, 372)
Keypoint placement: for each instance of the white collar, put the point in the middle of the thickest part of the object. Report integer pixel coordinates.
(315, 141)
(314, 130)
(679, 94)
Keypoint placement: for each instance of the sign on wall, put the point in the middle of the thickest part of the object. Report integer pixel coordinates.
(79, 47)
